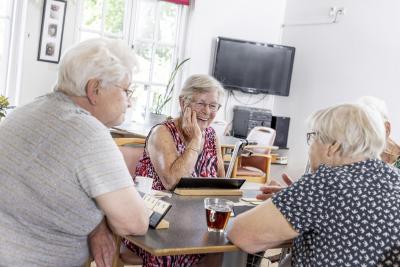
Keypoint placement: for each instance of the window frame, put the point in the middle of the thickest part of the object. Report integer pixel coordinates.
(14, 50)
(79, 28)
(128, 35)
(178, 45)
(7, 19)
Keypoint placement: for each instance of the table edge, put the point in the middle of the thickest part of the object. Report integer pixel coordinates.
(184, 251)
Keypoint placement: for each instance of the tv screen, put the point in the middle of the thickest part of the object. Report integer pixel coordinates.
(253, 67)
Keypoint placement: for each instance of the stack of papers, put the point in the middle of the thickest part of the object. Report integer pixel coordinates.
(160, 194)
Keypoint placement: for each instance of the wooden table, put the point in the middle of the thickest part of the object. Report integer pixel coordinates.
(132, 129)
(141, 130)
(187, 233)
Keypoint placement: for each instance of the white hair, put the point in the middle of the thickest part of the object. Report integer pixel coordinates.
(359, 130)
(375, 103)
(109, 61)
(201, 83)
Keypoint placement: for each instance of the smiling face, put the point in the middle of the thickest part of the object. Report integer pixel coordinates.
(204, 104)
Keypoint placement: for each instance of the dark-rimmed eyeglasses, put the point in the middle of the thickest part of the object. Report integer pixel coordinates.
(309, 137)
(128, 91)
(214, 107)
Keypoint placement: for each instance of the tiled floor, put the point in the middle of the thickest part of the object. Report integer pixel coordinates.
(264, 262)
(270, 252)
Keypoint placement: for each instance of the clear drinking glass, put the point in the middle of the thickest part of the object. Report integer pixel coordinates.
(218, 211)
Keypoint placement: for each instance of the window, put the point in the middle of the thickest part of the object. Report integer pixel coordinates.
(12, 31)
(5, 39)
(154, 29)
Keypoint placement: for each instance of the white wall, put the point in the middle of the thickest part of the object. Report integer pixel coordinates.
(256, 20)
(340, 63)
(38, 77)
(259, 20)
(334, 63)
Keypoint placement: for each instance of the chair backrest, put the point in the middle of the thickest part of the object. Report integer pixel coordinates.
(132, 150)
(264, 136)
(129, 141)
(220, 127)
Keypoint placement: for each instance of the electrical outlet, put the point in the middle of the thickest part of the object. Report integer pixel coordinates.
(340, 10)
(334, 11)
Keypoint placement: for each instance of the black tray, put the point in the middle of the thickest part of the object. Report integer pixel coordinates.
(202, 182)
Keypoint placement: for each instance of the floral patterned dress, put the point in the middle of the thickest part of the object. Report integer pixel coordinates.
(206, 166)
(345, 215)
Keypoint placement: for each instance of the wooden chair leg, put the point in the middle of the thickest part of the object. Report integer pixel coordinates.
(116, 260)
(88, 262)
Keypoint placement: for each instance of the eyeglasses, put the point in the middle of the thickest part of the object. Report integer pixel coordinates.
(128, 91)
(214, 107)
(309, 136)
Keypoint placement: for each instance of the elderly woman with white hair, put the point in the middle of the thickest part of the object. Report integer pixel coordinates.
(391, 153)
(184, 146)
(61, 172)
(187, 145)
(347, 211)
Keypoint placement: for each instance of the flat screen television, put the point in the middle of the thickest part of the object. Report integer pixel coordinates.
(253, 67)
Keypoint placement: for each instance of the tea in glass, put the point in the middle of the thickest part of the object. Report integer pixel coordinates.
(218, 211)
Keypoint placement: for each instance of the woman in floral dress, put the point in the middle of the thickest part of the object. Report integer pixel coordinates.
(185, 146)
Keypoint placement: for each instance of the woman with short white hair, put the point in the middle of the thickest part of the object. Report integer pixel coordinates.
(346, 212)
(187, 145)
(63, 179)
(96, 71)
(391, 153)
(184, 146)
(103, 59)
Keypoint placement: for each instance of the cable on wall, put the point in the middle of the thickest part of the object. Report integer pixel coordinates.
(335, 13)
(248, 104)
(226, 104)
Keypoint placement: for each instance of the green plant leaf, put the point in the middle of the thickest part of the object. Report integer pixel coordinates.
(162, 100)
(3, 105)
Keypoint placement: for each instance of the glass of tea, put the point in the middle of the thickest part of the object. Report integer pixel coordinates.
(218, 211)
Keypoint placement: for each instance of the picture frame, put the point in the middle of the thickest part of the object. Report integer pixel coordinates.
(52, 30)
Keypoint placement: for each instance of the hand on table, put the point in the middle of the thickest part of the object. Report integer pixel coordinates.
(269, 189)
(102, 246)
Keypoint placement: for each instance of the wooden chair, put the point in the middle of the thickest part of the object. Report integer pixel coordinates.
(129, 141)
(122, 255)
(132, 150)
(264, 136)
(256, 167)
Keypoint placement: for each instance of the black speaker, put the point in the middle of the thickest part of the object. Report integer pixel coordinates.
(281, 126)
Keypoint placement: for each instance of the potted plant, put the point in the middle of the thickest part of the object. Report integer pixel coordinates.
(3, 106)
(160, 100)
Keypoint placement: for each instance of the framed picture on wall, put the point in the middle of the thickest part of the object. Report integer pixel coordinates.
(51, 33)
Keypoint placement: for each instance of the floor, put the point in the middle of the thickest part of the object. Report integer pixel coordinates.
(270, 252)
(264, 262)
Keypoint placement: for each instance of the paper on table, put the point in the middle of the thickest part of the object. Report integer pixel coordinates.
(157, 193)
(143, 184)
(251, 200)
(251, 186)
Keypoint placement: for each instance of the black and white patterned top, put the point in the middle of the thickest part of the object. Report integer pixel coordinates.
(346, 216)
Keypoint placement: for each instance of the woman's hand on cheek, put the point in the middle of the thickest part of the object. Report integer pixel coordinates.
(189, 124)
